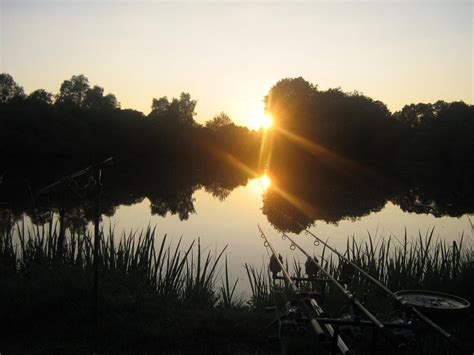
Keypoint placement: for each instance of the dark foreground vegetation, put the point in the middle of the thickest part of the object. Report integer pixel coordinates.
(162, 296)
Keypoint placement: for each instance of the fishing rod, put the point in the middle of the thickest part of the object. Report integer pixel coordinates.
(314, 323)
(337, 340)
(97, 169)
(75, 175)
(351, 297)
(451, 338)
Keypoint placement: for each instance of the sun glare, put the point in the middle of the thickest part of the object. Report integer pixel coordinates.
(264, 182)
(264, 122)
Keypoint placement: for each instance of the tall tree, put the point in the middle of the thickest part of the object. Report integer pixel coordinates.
(288, 101)
(219, 121)
(159, 107)
(73, 91)
(41, 96)
(177, 112)
(186, 108)
(95, 100)
(9, 89)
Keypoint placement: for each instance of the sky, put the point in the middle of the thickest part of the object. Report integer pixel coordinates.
(228, 54)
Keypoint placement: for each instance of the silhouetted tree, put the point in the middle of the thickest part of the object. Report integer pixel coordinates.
(159, 107)
(41, 96)
(218, 191)
(437, 137)
(219, 121)
(177, 112)
(73, 91)
(186, 108)
(343, 146)
(288, 101)
(350, 125)
(9, 89)
(93, 97)
(95, 100)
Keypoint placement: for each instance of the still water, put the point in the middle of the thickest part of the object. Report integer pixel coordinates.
(223, 208)
(233, 222)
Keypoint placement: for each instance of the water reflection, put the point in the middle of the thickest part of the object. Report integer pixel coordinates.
(288, 199)
(298, 198)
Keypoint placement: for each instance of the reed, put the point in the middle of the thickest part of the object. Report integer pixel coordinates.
(153, 294)
(261, 286)
(227, 291)
(423, 262)
(150, 287)
(184, 275)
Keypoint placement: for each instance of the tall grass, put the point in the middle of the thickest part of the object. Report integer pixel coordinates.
(153, 294)
(228, 292)
(261, 286)
(184, 275)
(424, 262)
(145, 282)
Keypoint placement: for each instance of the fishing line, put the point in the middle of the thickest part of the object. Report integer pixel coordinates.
(391, 337)
(301, 302)
(452, 339)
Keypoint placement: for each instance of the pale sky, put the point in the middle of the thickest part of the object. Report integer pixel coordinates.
(227, 55)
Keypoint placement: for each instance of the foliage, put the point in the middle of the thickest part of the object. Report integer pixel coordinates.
(423, 263)
(73, 91)
(84, 126)
(41, 96)
(9, 89)
(260, 285)
(95, 100)
(152, 294)
(361, 129)
(177, 112)
(227, 291)
(219, 121)
(361, 155)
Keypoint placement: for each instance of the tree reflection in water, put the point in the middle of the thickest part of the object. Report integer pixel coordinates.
(317, 194)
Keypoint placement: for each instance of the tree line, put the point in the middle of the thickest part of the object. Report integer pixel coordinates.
(359, 128)
(344, 154)
(81, 125)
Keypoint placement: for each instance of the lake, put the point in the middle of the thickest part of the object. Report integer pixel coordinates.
(223, 206)
(229, 215)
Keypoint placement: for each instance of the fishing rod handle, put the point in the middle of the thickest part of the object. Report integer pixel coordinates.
(392, 338)
(314, 323)
(453, 340)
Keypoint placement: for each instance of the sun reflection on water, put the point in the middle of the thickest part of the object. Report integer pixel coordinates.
(260, 184)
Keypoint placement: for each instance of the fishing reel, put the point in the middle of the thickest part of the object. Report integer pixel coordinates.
(291, 320)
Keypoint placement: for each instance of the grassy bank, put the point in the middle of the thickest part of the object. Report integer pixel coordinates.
(160, 294)
(152, 295)
(423, 262)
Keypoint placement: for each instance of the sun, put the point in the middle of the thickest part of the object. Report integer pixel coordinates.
(264, 121)
(264, 182)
